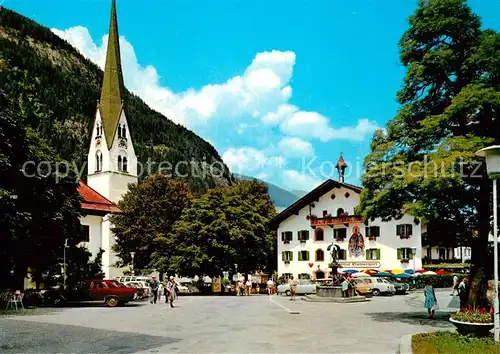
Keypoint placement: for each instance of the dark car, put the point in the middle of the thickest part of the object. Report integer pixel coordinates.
(400, 286)
(110, 292)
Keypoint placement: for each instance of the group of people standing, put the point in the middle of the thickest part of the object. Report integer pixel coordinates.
(169, 289)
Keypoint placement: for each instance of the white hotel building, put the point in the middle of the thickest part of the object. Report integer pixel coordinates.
(326, 214)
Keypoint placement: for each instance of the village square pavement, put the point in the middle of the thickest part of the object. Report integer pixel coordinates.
(256, 324)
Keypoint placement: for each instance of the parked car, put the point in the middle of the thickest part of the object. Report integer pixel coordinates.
(304, 286)
(362, 288)
(110, 292)
(401, 287)
(379, 285)
(182, 289)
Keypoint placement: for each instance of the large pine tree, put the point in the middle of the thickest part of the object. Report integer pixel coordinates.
(424, 163)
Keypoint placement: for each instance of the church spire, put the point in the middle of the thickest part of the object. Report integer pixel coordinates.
(110, 104)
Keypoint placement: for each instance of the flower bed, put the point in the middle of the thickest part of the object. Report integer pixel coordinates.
(452, 342)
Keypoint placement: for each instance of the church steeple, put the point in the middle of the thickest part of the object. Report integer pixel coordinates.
(341, 166)
(110, 104)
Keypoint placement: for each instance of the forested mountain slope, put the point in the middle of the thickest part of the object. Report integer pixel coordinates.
(51, 83)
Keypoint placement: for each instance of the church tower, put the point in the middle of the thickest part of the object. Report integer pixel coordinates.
(112, 163)
(341, 166)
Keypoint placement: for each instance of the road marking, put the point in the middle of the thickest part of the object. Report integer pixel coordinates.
(291, 312)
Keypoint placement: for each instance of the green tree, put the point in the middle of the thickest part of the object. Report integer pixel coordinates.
(148, 211)
(39, 203)
(424, 164)
(223, 227)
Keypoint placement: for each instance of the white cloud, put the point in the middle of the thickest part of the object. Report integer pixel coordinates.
(293, 179)
(249, 160)
(292, 146)
(263, 91)
(254, 105)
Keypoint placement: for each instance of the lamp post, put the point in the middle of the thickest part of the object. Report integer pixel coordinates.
(132, 254)
(492, 155)
(64, 263)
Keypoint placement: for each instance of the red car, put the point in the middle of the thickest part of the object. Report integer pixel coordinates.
(108, 291)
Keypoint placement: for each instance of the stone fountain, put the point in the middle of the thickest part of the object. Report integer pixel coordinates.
(333, 293)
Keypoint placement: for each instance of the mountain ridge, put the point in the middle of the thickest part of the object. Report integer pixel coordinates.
(281, 197)
(56, 88)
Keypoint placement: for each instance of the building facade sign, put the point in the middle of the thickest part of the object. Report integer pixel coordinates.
(359, 264)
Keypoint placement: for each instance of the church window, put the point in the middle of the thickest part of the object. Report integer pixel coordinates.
(98, 161)
(98, 130)
(119, 130)
(124, 132)
(119, 163)
(124, 163)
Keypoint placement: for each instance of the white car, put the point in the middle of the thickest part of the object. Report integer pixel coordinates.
(304, 286)
(182, 288)
(379, 285)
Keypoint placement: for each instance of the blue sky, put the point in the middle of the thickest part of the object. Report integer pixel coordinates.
(280, 88)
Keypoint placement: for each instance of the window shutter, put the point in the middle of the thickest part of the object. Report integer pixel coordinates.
(367, 254)
(306, 232)
(307, 255)
(283, 257)
(290, 256)
(413, 250)
(282, 236)
(343, 254)
(398, 230)
(378, 254)
(367, 231)
(410, 229)
(399, 253)
(376, 231)
(300, 255)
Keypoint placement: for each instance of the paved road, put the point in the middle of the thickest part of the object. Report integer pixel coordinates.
(257, 324)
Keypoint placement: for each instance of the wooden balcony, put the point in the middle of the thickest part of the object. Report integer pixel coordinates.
(346, 220)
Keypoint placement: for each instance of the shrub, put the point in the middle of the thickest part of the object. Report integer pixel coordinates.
(437, 281)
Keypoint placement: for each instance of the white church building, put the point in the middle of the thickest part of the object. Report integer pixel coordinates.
(112, 162)
(326, 215)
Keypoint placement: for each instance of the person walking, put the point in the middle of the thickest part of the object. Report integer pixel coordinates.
(345, 287)
(455, 285)
(170, 292)
(154, 290)
(270, 285)
(430, 302)
(462, 293)
(293, 287)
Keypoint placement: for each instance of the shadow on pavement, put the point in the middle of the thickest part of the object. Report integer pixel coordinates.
(421, 318)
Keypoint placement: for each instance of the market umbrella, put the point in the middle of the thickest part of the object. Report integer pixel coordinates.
(383, 274)
(360, 275)
(403, 275)
(442, 272)
(397, 271)
(420, 271)
(350, 271)
(430, 272)
(409, 271)
(370, 271)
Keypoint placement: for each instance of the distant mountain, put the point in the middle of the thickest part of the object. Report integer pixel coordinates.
(299, 193)
(281, 197)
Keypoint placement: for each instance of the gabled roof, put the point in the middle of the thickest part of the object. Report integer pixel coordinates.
(310, 197)
(110, 104)
(94, 202)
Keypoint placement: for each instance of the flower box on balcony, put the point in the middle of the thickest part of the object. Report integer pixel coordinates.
(340, 239)
(405, 261)
(372, 238)
(403, 237)
(287, 262)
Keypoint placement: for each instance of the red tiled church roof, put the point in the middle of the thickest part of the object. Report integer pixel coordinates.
(93, 201)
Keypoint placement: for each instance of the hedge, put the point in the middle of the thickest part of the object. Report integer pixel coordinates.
(447, 265)
(437, 281)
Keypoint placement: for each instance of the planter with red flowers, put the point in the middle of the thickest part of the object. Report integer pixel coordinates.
(372, 238)
(473, 321)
